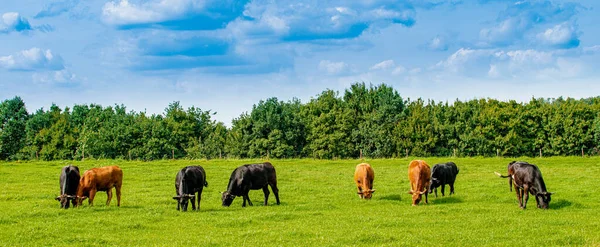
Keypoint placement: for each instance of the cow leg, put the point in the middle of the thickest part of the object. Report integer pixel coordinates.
(526, 195)
(519, 192)
(266, 191)
(193, 203)
(108, 196)
(275, 191)
(118, 190)
(249, 202)
(426, 201)
(246, 198)
(451, 188)
(443, 186)
(199, 197)
(91, 198)
(359, 190)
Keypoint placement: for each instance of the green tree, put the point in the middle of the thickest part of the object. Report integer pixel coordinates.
(13, 121)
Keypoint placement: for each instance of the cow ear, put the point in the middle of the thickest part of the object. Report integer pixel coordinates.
(410, 192)
(373, 191)
(176, 197)
(360, 192)
(57, 198)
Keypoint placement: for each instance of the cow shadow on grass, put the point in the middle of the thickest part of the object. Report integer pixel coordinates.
(391, 197)
(445, 200)
(561, 203)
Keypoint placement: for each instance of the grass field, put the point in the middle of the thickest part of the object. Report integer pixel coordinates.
(319, 207)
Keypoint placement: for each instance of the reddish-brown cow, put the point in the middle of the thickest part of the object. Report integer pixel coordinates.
(100, 179)
(363, 176)
(419, 175)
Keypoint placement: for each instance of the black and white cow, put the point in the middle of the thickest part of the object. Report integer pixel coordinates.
(251, 177)
(189, 180)
(443, 174)
(527, 179)
(69, 182)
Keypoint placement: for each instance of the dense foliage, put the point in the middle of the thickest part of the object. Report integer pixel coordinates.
(373, 121)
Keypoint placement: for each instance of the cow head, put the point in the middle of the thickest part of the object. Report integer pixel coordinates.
(227, 198)
(366, 194)
(79, 200)
(543, 199)
(416, 196)
(65, 200)
(183, 201)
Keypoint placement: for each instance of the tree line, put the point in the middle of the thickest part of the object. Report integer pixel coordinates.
(364, 121)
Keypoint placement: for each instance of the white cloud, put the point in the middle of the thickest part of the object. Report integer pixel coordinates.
(517, 23)
(332, 68)
(62, 77)
(32, 59)
(122, 12)
(562, 35)
(520, 58)
(398, 70)
(438, 43)
(492, 63)
(493, 72)
(464, 58)
(13, 21)
(591, 49)
(387, 64)
(415, 71)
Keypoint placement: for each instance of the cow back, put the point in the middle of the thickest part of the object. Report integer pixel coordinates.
(102, 179)
(190, 179)
(445, 173)
(251, 176)
(364, 175)
(419, 175)
(69, 180)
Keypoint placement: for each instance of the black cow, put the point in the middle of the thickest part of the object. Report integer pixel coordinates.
(443, 174)
(251, 177)
(69, 181)
(527, 178)
(189, 180)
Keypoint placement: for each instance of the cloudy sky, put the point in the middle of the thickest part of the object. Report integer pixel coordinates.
(225, 55)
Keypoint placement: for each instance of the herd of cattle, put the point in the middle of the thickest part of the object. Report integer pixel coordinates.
(189, 181)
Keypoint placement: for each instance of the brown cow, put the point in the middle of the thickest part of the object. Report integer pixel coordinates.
(419, 175)
(363, 176)
(100, 179)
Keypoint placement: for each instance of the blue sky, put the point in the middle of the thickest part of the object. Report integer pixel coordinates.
(225, 56)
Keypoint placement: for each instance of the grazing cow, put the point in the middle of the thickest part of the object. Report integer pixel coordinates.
(251, 177)
(100, 179)
(443, 174)
(363, 176)
(527, 178)
(69, 181)
(189, 180)
(419, 175)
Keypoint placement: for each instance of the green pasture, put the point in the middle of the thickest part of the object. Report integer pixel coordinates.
(319, 207)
